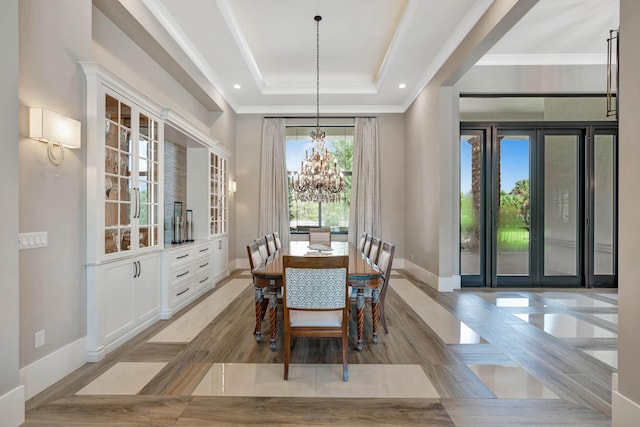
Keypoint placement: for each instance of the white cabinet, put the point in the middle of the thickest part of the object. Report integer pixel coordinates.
(220, 257)
(123, 299)
(123, 199)
(187, 272)
(124, 169)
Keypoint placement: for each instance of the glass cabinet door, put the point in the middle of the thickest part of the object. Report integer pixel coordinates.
(117, 176)
(218, 220)
(131, 178)
(148, 184)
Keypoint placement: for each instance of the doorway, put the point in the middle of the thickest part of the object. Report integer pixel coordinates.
(538, 205)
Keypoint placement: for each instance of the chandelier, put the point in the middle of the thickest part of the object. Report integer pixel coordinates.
(318, 179)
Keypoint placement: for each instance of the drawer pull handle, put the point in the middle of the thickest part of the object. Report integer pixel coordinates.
(182, 256)
(204, 250)
(182, 292)
(204, 280)
(204, 265)
(183, 274)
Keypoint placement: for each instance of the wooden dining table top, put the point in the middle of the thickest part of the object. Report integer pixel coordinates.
(360, 268)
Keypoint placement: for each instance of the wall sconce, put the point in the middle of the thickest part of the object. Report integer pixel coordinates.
(232, 187)
(55, 130)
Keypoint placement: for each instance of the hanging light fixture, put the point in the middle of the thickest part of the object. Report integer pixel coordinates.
(318, 179)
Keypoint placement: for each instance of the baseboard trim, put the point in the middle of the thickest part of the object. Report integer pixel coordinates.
(624, 411)
(12, 407)
(440, 284)
(53, 367)
(240, 264)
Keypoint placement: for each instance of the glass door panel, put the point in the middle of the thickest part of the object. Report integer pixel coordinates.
(603, 215)
(513, 204)
(471, 203)
(561, 202)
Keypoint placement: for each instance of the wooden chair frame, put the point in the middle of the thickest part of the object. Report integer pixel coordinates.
(342, 331)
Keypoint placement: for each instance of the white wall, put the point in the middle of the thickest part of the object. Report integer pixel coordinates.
(52, 291)
(626, 402)
(11, 394)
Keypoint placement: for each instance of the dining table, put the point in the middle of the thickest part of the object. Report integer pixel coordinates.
(268, 277)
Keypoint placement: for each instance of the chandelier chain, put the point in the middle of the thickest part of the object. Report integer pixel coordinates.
(319, 179)
(318, 18)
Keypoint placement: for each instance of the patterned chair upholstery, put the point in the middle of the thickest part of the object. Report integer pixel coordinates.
(374, 249)
(262, 247)
(276, 238)
(315, 301)
(271, 244)
(363, 238)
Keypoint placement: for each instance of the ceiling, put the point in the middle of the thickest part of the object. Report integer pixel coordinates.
(367, 47)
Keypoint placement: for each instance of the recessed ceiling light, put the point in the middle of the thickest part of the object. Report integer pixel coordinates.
(402, 85)
(236, 86)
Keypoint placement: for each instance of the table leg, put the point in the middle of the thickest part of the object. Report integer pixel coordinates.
(273, 313)
(375, 312)
(259, 313)
(360, 317)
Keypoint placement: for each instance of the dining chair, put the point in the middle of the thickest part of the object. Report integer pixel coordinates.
(320, 235)
(262, 247)
(315, 301)
(271, 244)
(385, 263)
(276, 238)
(374, 250)
(255, 261)
(255, 258)
(367, 245)
(363, 238)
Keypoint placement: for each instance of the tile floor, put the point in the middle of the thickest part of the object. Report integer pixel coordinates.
(247, 379)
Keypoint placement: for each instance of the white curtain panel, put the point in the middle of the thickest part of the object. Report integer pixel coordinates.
(364, 214)
(274, 194)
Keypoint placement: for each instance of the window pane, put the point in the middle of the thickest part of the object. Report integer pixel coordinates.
(339, 141)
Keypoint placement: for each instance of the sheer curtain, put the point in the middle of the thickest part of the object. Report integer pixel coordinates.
(274, 195)
(364, 214)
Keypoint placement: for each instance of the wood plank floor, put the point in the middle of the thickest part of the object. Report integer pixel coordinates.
(580, 383)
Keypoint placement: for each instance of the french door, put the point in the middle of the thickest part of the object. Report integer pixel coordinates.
(537, 205)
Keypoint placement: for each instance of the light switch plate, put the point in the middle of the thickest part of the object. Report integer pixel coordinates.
(32, 240)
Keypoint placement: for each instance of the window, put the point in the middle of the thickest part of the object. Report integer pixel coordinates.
(302, 215)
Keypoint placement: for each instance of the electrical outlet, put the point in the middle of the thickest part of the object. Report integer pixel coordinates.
(412, 257)
(39, 338)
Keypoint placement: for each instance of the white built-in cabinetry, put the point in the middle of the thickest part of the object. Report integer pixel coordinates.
(132, 279)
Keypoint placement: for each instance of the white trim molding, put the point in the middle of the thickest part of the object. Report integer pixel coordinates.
(624, 411)
(53, 367)
(12, 407)
(439, 283)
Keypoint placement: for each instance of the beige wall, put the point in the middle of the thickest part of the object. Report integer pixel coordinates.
(392, 167)
(629, 208)
(52, 291)
(9, 285)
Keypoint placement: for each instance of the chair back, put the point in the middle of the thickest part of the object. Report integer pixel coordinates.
(363, 238)
(320, 235)
(262, 247)
(276, 238)
(374, 250)
(385, 263)
(367, 245)
(315, 301)
(255, 259)
(315, 283)
(271, 244)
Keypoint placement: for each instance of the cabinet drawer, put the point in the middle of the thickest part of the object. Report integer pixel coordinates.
(203, 279)
(178, 257)
(180, 292)
(203, 250)
(180, 274)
